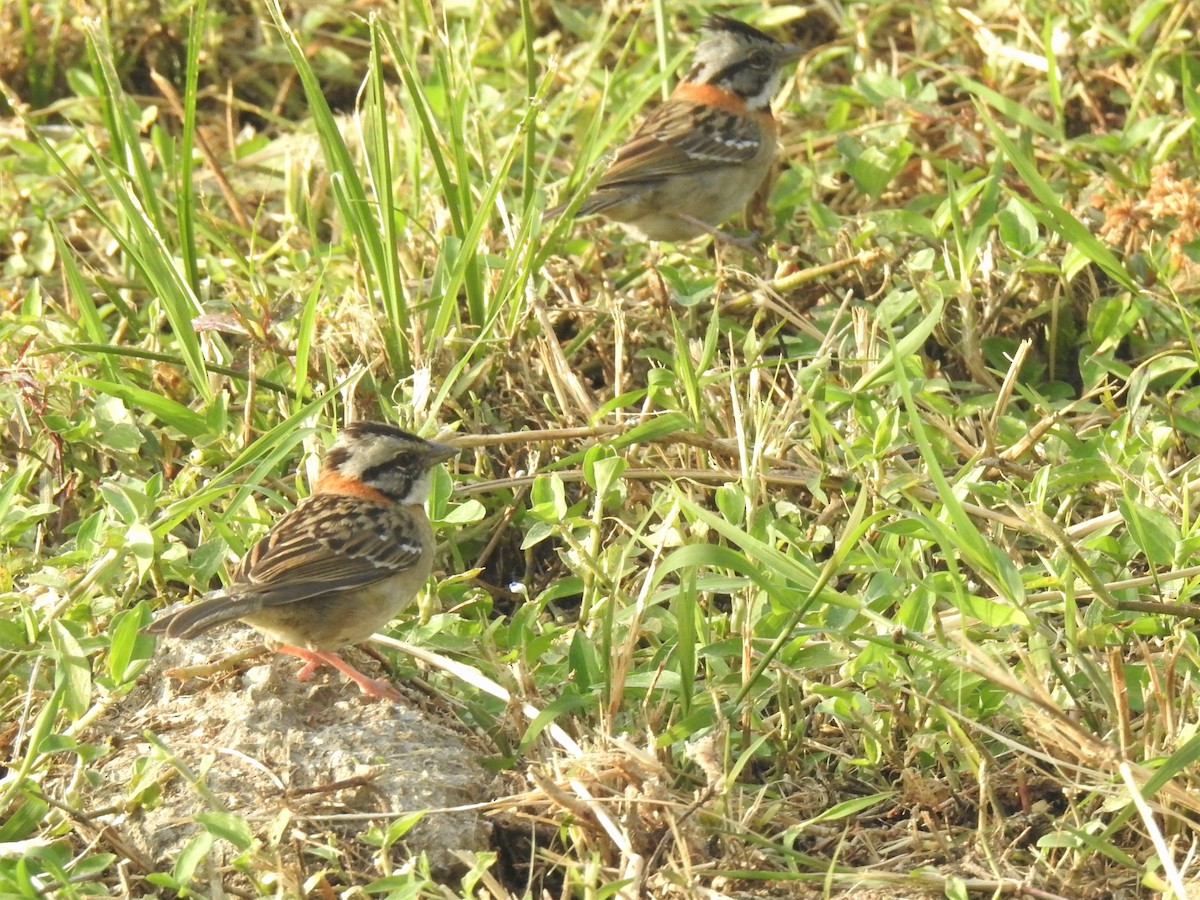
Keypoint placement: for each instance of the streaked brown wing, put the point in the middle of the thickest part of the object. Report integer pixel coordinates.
(329, 543)
(682, 138)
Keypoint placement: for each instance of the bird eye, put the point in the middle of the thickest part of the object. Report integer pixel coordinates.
(760, 59)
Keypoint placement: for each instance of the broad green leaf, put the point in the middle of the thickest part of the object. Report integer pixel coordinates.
(165, 409)
(1152, 530)
(232, 828)
(72, 671)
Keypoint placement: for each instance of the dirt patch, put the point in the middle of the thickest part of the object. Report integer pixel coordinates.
(277, 770)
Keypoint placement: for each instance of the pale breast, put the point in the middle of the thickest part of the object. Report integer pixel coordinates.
(331, 621)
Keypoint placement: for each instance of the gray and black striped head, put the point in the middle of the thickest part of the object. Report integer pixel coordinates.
(737, 57)
(384, 458)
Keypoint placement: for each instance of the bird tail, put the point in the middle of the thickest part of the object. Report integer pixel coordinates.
(216, 608)
(596, 202)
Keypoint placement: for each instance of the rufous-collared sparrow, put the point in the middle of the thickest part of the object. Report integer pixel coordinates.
(698, 159)
(343, 562)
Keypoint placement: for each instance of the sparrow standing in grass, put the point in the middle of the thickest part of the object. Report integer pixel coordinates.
(341, 564)
(698, 159)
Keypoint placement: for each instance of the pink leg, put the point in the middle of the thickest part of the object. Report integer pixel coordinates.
(311, 662)
(314, 658)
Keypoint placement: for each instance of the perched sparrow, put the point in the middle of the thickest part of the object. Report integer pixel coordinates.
(343, 562)
(698, 159)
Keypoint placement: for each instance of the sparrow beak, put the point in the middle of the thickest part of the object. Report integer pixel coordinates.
(789, 53)
(436, 453)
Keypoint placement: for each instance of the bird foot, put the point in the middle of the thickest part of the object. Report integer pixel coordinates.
(749, 244)
(376, 689)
